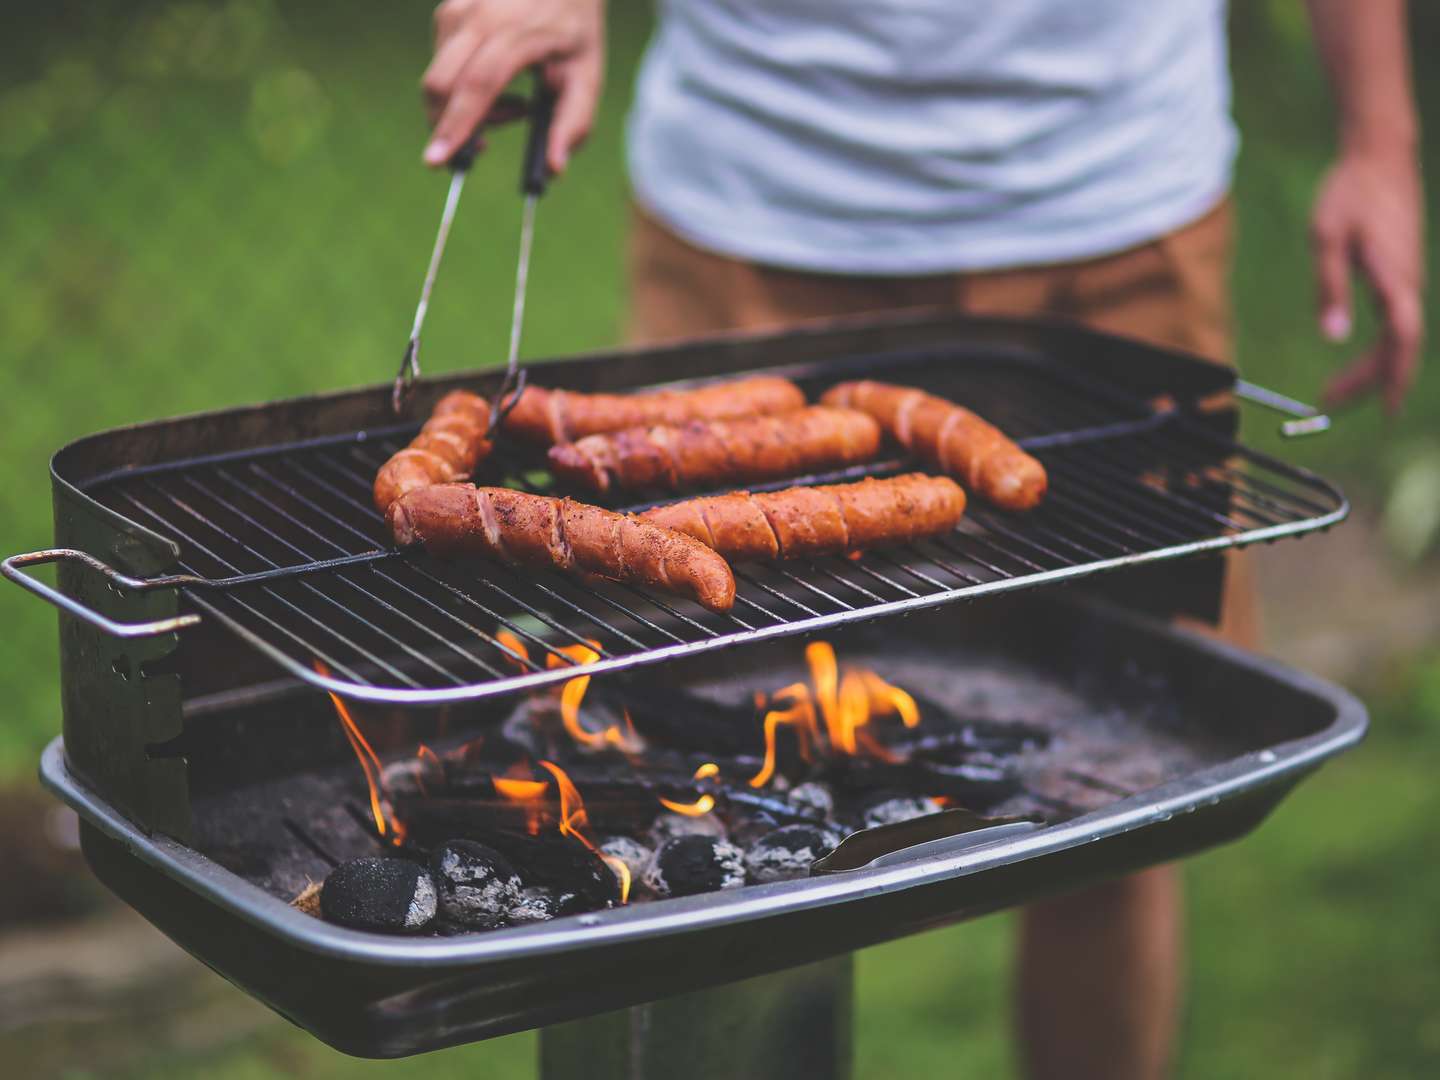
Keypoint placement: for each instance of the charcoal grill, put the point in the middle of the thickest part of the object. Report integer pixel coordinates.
(207, 563)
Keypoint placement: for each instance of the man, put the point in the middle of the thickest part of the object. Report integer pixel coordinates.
(795, 159)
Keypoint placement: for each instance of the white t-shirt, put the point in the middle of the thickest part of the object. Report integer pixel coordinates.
(896, 137)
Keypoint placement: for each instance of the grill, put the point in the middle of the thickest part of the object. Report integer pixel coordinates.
(281, 546)
(207, 563)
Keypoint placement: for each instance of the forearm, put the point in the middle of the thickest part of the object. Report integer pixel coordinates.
(1365, 48)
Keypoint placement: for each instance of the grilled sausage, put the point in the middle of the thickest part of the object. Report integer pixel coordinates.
(807, 521)
(951, 438)
(708, 453)
(559, 416)
(449, 447)
(458, 520)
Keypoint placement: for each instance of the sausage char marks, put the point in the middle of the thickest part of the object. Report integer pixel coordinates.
(462, 520)
(803, 522)
(710, 453)
(951, 438)
(449, 447)
(547, 417)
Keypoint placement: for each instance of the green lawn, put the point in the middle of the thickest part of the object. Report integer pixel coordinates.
(207, 204)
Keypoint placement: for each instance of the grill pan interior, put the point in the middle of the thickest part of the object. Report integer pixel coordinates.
(1197, 741)
(287, 553)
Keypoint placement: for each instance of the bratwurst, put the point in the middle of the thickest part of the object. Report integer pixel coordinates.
(709, 453)
(449, 447)
(951, 438)
(460, 520)
(806, 521)
(547, 417)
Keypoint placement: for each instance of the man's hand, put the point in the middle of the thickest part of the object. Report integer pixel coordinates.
(1369, 216)
(480, 45)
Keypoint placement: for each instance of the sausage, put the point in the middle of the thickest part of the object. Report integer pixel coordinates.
(708, 453)
(449, 447)
(951, 438)
(461, 520)
(547, 417)
(802, 522)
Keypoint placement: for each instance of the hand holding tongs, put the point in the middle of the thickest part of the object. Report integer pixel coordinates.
(534, 175)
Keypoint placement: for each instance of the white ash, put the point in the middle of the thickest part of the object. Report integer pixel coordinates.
(902, 808)
(375, 893)
(536, 904)
(477, 885)
(694, 864)
(409, 776)
(812, 795)
(787, 853)
(668, 826)
(635, 855)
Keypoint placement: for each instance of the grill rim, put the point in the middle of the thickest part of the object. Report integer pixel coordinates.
(1275, 768)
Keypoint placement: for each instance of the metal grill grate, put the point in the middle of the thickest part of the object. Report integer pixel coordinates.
(288, 553)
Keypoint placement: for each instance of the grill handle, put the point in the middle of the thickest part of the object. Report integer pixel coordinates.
(932, 836)
(1308, 420)
(12, 569)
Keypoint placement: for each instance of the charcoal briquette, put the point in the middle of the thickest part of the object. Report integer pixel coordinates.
(477, 885)
(694, 864)
(376, 893)
(787, 853)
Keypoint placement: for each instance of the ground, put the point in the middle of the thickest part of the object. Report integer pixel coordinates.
(211, 203)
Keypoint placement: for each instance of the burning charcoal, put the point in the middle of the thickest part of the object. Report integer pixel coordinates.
(694, 864)
(812, 795)
(902, 808)
(787, 853)
(478, 886)
(669, 826)
(375, 893)
(410, 776)
(535, 905)
(635, 855)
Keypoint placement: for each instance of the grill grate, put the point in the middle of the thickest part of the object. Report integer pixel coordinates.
(286, 551)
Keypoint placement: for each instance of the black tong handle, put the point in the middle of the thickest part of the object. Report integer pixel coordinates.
(539, 111)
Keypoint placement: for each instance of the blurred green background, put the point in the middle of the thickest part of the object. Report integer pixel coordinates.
(204, 204)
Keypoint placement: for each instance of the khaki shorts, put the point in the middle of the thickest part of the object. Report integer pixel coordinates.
(1173, 291)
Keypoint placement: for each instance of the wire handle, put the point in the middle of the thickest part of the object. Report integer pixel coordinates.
(12, 569)
(1308, 419)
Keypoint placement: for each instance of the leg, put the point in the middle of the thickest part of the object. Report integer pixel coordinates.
(1099, 980)
(1100, 969)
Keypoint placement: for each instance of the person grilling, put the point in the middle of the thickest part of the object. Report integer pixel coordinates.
(792, 159)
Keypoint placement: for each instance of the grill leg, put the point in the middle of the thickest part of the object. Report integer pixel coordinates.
(784, 1026)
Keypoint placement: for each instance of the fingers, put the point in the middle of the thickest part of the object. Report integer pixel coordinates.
(440, 78)
(1353, 380)
(577, 84)
(486, 72)
(1331, 244)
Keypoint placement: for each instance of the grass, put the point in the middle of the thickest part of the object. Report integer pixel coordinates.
(208, 204)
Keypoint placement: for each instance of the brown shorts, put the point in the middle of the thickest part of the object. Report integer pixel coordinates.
(1173, 291)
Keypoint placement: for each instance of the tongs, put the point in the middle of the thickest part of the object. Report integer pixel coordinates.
(534, 175)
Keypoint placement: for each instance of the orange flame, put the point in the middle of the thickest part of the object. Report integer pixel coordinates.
(845, 702)
(573, 818)
(625, 738)
(509, 641)
(801, 714)
(369, 765)
(520, 790)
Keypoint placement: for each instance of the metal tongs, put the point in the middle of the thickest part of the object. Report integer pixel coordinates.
(534, 175)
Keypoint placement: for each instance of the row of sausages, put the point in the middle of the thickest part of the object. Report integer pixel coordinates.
(740, 432)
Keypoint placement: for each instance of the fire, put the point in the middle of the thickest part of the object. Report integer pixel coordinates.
(705, 803)
(520, 654)
(801, 714)
(520, 790)
(623, 738)
(843, 702)
(385, 824)
(573, 819)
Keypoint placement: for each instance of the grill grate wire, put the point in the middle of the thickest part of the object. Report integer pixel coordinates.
(287, 552)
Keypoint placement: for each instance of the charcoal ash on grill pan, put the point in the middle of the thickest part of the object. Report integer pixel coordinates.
(787, 853)
(688, 865)
(477, 886)
(377, 893)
